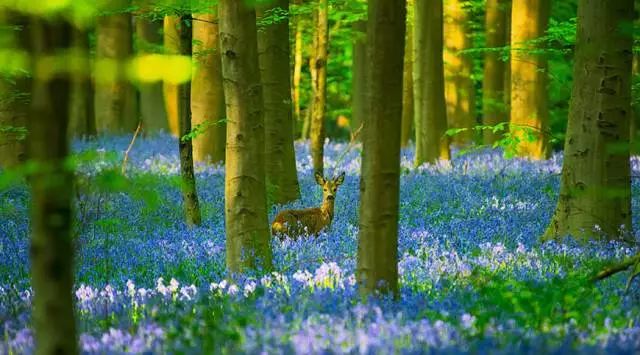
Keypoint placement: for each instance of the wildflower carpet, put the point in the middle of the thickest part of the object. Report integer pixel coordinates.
(473, 277)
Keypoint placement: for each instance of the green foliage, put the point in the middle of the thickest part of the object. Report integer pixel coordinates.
(202, 128)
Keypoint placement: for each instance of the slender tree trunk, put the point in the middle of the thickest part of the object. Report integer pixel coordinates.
(407, 80)
(507, 69)
(152, 109)
(634, 115)
(248, 240)
(379, 188)
(273, 49)
(82, 116)
(297, 66)
(493, 85)
(428, 84)
(185, 146)
(51, 250)
(459, 87)
(595, 189)
(171, 40)
(529, 107)
(115, 100)
(359, 79)
(207, 100)
(14, 96)
(319, 84)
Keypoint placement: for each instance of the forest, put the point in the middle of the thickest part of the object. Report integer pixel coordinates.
(319, 177)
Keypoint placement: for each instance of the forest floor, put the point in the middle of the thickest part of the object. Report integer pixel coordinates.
(473, 276)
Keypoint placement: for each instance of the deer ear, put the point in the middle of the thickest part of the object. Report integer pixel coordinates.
(340, 179)
(319, 179)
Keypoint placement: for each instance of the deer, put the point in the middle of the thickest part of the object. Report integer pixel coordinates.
(310, 221)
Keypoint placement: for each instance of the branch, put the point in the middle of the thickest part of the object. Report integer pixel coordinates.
(616, 268)
(126, 153)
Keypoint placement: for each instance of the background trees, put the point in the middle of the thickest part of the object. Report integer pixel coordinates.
(319, 84)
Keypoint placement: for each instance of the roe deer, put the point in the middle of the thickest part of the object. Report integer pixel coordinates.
(293, 223)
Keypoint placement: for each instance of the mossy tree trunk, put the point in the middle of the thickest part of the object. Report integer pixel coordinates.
(207, 100)
(459, 87)
(152, 110)
(529, 121)
(248, 240)
(115, 100)
(171, 41)
(493, 84)
(359, 75)
(377, 264)
(319, 85)
(595, 189)
(185, 146)
(274, 55)
(428, 84)
(51, 251)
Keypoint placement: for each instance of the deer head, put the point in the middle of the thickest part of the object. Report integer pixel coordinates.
(329, 186)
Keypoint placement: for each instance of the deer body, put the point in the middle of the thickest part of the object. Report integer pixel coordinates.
(311, 221)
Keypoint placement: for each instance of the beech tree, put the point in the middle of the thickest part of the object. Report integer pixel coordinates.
(529, 112)
(51, 250)
(494, 84)
(407, 80)
(319, 84)
(274, 55)
(171, 41)
(377, 264)
(115, 97)
(595, 188)
(207, 96)
(248, 239)
(359, 75)
(428, 84)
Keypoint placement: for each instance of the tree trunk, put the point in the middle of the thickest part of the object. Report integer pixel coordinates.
(359, 80)
(171, 40)
(529, 109)
(507, 69)
(14, 97)
(319, 85)
(115, 99)
(185, 146)
(459, 87)
(273, 49)
(297, 66)
(248, 240)
(207, 101)
(51, 250)
(82, 116)
(407, 80)
(428, 84)
(152, 109)
(493, 85)
(595, 189)
(380, 184)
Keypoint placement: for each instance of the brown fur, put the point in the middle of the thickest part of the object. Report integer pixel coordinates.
(310, 221)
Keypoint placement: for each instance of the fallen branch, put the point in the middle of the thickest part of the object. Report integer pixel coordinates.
(632, 262)
(126, 153)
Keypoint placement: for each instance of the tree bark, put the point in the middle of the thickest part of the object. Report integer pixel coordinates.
(297, 66)
(51, 250)
(407, 80)
(152, 109)
(207, 101)
(14, 94)
(171, 40)
(115, 100)
(319, 85)
(595, 189)
(82, 116)
(459, 87)
(185, 146)
(428, 84)
(493, 85)
(377, 264)
(359, 76)
(273, 49)
(248, 240)
(529, 101)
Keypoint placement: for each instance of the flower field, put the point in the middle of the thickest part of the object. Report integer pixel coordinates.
(473, 276)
